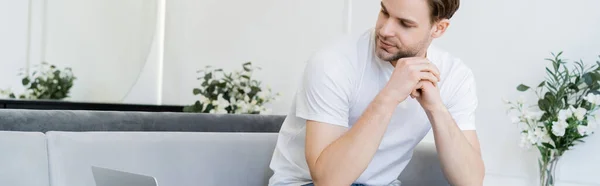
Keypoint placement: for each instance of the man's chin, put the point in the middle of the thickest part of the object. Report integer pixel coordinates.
(385, 56)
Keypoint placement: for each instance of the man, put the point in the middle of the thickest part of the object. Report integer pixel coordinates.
(365, 102)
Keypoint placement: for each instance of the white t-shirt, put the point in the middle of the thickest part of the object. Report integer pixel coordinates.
(339, 82)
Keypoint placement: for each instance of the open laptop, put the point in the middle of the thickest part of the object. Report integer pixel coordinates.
(110, 177)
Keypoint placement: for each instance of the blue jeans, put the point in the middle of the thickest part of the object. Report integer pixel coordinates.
(356, 184)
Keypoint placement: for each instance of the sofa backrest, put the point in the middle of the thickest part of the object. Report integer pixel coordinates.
(75, 120)
(174, 158)
(23, 159)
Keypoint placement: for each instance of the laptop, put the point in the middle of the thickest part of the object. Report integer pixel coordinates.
(110, 177)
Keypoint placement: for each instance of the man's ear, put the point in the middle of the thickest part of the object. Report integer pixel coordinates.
(439, 28)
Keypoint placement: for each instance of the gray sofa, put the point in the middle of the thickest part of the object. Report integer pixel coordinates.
(58, 147)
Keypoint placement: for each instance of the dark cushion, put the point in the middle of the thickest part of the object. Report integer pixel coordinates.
(79, 120)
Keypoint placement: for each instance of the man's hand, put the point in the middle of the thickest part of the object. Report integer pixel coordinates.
(407, 75)
(428, 95)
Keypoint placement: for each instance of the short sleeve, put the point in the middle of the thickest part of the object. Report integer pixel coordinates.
(464, 102)
(325, 91)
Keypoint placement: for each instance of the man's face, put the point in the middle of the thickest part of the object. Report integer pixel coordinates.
(403, 29)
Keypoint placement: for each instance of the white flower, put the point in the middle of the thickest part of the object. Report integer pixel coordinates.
(247, 89)
(563, 115)
(521, 100)
(242, 107)
(262, 95)
(203, 99)
(221, 102)
(583, 130)
(534, 115)
(579, 113)
(558, 128)
(515, 119)
(505, 101)
(221, 111)
(545, 138)
(593, 123)
(236, 82)
(524, 141)
(592, 98)
(523, 126)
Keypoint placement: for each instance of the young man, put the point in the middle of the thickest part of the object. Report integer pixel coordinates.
(365, 102)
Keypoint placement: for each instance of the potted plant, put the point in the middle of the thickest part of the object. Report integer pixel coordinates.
(46, 82)
(231, 93)
(563, 116)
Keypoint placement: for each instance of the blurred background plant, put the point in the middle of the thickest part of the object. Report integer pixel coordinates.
(231, 93)
(45, 82)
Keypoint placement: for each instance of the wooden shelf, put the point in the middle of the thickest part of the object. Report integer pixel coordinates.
(69, 105)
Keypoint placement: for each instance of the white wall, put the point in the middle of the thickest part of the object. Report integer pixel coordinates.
(277, 36)
(505, 42)
(108, 44)
(113, 48)
(13, 48)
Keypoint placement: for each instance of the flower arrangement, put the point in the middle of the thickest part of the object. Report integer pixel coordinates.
(231, 93)
(565, 113)
(46, 82)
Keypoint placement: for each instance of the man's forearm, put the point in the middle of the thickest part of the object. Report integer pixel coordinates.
(344, 160)
(460, 161)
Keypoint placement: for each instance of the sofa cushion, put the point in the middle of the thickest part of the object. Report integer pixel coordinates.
(23, 159)
(79, 120)
(174, 158)
(424, 167)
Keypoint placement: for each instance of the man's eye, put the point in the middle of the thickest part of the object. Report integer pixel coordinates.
(406, 25)
(384, 12)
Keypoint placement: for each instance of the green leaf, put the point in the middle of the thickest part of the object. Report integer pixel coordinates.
(544, 104)
(548, 145)
(208, 76)
(245, 76)
(573, 86)
(12, 95)
(542, 84)
(25, 81)
(522, 88)
(551, 74)
(247, 66)
(57, 73)
(197, 91)
(588, 79)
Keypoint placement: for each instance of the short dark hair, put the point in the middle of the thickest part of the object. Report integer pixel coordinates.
(443, 9)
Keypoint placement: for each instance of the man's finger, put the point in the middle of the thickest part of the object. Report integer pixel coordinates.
(428, 67)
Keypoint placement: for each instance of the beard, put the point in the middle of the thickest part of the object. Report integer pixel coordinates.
(404, 52)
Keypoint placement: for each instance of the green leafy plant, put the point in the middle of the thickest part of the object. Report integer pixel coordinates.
(564, 114)
(46, 82)
(231, 93)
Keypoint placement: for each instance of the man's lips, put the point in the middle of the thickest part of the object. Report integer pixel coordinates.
(384, 44)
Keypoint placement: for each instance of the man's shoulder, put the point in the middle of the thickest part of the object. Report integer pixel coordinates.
(346, 44)
(449, 63)
(341, 51)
